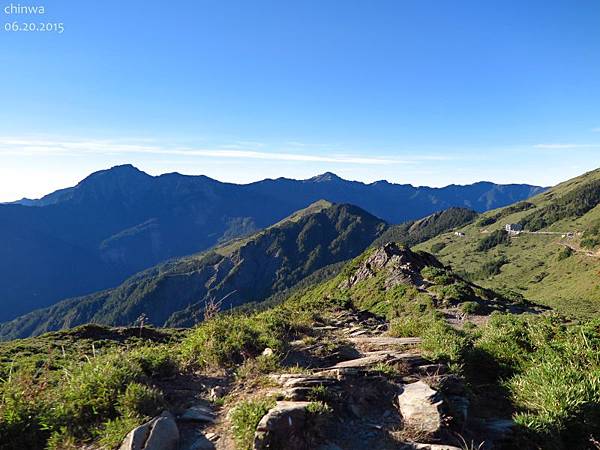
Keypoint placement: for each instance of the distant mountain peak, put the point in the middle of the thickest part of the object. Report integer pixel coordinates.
(125, 167)
(325, 177)
(124, 172)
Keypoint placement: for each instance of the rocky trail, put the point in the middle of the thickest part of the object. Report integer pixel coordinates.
(349, 386)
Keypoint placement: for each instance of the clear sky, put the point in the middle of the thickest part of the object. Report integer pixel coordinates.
(423, 92)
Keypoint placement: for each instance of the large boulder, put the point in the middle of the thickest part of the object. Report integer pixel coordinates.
(160, 433)
(420, 407)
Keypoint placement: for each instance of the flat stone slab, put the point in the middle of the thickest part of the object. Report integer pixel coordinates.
(418, 446)
(372, 358)
(358, 333)
(385, 341)
(291, 380)
(198, 413)
(361, 363)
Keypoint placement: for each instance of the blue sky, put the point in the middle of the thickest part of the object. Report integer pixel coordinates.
(423, 92)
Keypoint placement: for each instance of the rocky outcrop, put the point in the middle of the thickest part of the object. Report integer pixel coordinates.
(160, 433)
(402, 264)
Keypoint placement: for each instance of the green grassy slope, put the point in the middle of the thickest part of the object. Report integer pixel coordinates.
(536, 265)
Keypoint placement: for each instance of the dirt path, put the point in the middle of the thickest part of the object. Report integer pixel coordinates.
(351, 386)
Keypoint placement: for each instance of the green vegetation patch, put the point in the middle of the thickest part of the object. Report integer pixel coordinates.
(495, 238)
(245, 418)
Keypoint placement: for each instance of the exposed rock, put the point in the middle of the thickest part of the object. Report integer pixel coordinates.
(373, 358)
(268, 352)
(404, 266)
(418, 446)
(282, 427)
(420, 407)
(161, 433)
(292, 380)
(384, 341)
(297, 393)
(358, 333)
(198, 442)
(198, 413)
(216, 393)
(432, 369)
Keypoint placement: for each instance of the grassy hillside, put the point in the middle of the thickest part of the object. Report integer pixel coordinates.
(89, 386)
(559, 270)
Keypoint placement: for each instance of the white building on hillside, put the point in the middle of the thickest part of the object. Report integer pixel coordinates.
(513, 228)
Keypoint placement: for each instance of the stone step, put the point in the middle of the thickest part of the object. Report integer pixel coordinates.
(372, 358)
(291, 380)
(197, 413)
(385, 341)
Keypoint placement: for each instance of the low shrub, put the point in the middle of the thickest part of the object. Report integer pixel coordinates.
(485, 221)
(60, 409)
(318, 409)
(564, 253)
(112, 433)
(261, 365)
(320, 393)
(245, 418)
(441, 342)
(437, 275)
(409, 325)
(492, 240)
(88, 393)
(470, 307)
(491, 268)
(140, 400)
(226, 340)
(438, 247)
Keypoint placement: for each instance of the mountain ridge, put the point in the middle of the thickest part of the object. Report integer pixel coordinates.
(122, 220)
(325, 177)
(248, 269)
